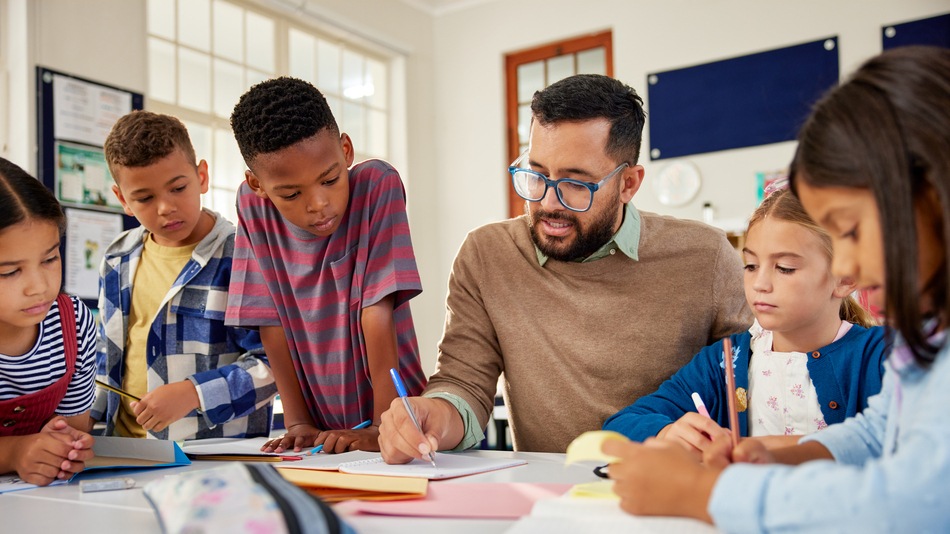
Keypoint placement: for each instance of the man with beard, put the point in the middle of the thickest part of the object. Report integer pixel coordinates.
(584, 303)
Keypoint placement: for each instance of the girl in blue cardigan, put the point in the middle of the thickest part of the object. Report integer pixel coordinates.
(810, 360)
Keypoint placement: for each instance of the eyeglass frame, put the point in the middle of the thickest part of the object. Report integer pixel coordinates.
(548, 183)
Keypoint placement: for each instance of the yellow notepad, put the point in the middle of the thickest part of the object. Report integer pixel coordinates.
(334, 486)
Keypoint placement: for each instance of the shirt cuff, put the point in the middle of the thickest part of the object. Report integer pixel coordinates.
(738, 497)
(473, 431)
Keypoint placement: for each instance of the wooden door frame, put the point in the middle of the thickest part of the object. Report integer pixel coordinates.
(513, 60)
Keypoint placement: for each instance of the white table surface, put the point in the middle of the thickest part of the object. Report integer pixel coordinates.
(65, 509)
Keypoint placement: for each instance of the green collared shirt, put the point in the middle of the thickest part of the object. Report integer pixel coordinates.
(627, 239)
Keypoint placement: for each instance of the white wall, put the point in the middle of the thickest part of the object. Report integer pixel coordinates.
(455, 100)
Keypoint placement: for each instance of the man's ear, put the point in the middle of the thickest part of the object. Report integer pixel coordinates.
(255, 184)
(632, 178)
(844, 287)
(125, 205)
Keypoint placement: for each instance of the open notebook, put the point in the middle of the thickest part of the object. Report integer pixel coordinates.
(448, 465)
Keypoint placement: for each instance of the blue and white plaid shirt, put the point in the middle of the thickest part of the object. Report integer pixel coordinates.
(188, 340)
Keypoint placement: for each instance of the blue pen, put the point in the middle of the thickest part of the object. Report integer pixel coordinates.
(319, 447)
(403, 394)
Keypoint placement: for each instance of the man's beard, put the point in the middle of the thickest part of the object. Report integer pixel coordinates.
(586, 241)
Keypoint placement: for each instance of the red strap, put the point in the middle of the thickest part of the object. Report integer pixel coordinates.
(67, 318)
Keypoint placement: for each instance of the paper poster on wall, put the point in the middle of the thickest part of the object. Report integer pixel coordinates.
(85, 112)
(82, 176)
(88, 234)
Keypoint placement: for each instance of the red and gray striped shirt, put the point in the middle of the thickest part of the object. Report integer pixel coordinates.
(316, 287)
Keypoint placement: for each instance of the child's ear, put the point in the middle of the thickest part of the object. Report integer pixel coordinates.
(203, 175)
(125, 205)
(844, 287)
(348, 152)
(255, 184)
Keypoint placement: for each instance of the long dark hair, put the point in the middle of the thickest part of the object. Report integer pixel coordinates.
(23, 197)
(887, 129)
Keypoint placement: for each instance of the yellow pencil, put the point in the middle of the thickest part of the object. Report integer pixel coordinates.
(105, 386)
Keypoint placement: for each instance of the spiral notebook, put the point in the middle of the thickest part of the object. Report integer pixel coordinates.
(447, 465)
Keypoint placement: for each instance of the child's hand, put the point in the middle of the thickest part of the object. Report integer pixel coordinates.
(366, 439)
(693, 431)
(297, 437)
(165, 404)
(56, 451)
(659, 478)
(753, 451)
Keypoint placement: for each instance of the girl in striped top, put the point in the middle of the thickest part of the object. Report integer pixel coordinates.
(47, 340)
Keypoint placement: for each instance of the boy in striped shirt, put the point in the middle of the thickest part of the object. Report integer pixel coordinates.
(323, 267)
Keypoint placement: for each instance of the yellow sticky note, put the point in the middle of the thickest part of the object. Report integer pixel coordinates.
(587, 446)
(602, 489)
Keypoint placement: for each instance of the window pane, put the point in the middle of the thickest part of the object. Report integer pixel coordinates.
(328, 67)
(200, 139)
(560, 67)
(222, 201)
(301, 54)
(353, 86)
(353, 124)
(377, 79)
(376, 135)
(530, 79)
(228, 86)
(592, 61)
(228, 31)
(524, 123)
(337, 108)
(228, 163)
(161, 70)
(260, 42)
(194, 80)
(194, 21)
(253, 78)
(161, 18)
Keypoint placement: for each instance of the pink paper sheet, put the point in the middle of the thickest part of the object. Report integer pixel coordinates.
(496, 500)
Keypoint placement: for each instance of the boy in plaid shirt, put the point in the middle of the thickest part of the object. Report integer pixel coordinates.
(162, 298)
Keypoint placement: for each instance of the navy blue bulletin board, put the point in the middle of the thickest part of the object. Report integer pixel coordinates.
(82, 139)
(933, 31)
(745, 101)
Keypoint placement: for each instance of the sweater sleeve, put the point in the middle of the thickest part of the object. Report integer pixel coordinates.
(470, 359)
(650, 414)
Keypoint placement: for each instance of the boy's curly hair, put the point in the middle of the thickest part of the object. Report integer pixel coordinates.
(278, 113)
(141, 138)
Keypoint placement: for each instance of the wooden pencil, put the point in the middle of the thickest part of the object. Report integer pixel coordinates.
(730, 390)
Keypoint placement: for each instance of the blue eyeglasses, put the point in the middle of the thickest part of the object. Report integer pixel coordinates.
(574, 195)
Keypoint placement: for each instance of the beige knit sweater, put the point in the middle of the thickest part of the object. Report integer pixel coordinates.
(578, 341)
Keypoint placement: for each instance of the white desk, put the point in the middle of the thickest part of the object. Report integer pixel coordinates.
(65, 509)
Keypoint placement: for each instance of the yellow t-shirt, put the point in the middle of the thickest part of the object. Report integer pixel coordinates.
(157, 270)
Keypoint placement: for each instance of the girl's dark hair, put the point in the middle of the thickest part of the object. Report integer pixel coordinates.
(887, 129)
(23, 197)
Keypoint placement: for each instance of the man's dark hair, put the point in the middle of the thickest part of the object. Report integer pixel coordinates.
(278, 113)
(591, 96)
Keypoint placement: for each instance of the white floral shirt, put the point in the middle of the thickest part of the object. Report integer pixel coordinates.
(782, 396)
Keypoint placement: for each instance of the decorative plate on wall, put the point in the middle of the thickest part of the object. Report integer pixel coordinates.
(676, 183)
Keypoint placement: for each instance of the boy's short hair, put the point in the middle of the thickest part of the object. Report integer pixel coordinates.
(141, 138)
(278, 113)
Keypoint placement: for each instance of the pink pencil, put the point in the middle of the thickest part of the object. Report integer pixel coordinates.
(730, 390)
